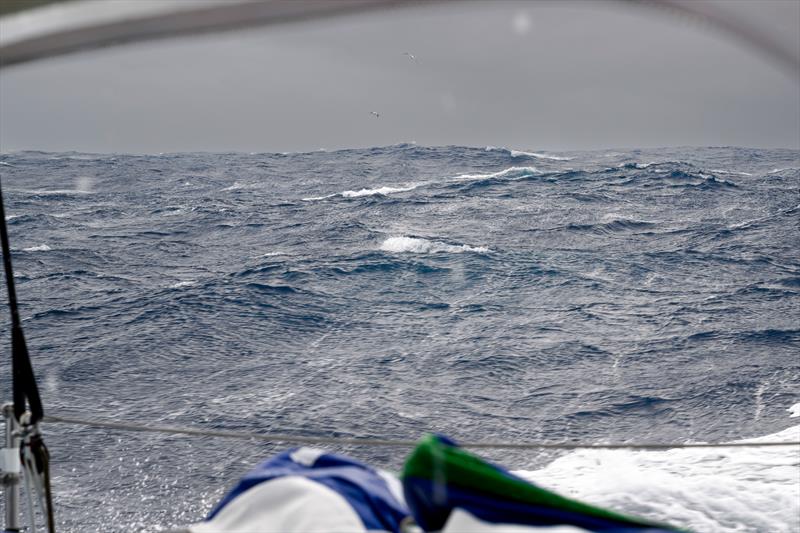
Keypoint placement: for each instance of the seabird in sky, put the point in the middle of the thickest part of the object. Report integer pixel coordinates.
(375, 113)
(412, 56)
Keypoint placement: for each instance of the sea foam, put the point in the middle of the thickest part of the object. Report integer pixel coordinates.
(700, 489)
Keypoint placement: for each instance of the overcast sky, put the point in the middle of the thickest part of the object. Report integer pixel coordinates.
(523, 75)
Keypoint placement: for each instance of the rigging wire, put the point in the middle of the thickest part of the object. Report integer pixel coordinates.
(374, 442)
(33, 450)
(24, 383)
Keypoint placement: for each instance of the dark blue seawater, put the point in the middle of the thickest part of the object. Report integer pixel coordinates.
(488, 294)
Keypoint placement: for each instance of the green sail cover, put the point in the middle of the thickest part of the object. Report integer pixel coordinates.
(439, 476)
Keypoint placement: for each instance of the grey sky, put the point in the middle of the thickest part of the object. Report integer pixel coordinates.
(517, 74)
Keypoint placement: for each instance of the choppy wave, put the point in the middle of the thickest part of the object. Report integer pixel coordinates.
(613, 223)
(642, 295)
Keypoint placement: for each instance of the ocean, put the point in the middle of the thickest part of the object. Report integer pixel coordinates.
(488, 294)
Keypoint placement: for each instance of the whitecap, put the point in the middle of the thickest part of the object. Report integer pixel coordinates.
(380, 190)
(383, 191)
(235, 187)
(73, 157)
(731, 172)
(616, 217)
(520, 153)
(518, 172)
(40, 248)
(511, 173)
(424, 246)
(182, 284)
(779, 170)
(53, 192)
(315, 198)
(642, 166)
(84, 184)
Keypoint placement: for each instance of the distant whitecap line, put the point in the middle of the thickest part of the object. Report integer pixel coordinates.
(638, 166)
(424, 246)
(642, 166)
(515, 172)
(520, 153)
(54, 192)
(40, 248)
(383, 191)
(76, 158)
(779, 170)
(731, 172)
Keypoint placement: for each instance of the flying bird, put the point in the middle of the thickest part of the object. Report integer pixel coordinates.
(375, 113)
(411, 56)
